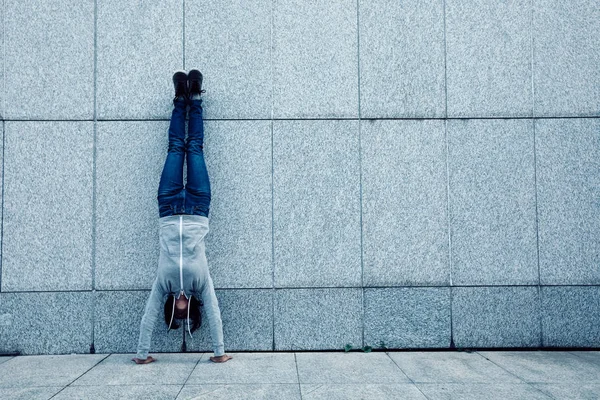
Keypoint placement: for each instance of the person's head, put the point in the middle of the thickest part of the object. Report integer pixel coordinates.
(180, 311)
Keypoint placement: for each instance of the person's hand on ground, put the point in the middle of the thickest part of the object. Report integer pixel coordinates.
(146, 361)
(220, 359)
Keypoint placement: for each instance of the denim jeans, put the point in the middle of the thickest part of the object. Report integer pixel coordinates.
(173, 197)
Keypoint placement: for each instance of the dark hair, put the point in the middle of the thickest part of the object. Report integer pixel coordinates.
(195, 313)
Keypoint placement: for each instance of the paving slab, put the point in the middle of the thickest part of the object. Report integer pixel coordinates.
(315, 67)
(130, 156)
(347, 368)
(50, 370)
(5, 358)
(318, 319)
(230, 42)
(496, 316)
(139, 47)
(239, 242)
(488, 58)
(316, 203)
(566, 57)
(491, 172)
(29, 393)
(46, 322)
(118, 369)
(404, 203)
(240, 391)
(407, 317)
(568, 188)
(105, 392)
(570, 316)
(247, 368)
(573, 391)
(49, 60)
(47, 217)
(402, 59)
(497, 391)
(317, 391)
(592, 356)
(450, 367)
(546, 366)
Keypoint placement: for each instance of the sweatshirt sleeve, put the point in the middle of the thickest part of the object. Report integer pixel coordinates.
(151, 313)
(211, 306)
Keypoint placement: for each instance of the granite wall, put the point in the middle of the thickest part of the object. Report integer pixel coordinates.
(400, 174)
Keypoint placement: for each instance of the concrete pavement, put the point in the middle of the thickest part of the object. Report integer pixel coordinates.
(307, 375)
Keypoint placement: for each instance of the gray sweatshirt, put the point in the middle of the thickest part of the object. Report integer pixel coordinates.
(182, 266)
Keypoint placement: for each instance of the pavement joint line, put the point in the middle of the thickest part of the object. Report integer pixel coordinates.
(405, 374)
(190, 374)
(88, 370)
(501, 367)
(298, 376)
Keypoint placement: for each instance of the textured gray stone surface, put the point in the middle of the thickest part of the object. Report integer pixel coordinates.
(407, 317)
(129, 160)
(405, 233)
(568, 185)
(117, 324)
(566, 58)
(351, 367)
(1, 191)
(492, 202)
(239, 243)
(488, 55)
(45, 323)
(569, 391)
(47, 227)
(50, 370)
(139, 46)
(570, 316)
(245, 368)
(450, 367)
(118, 369)
(318, 319)
(150, 391)
(316, 203)
(49, 59)
(30, 393)
(316, 391)
(247, 316)
(402, 58)
(231, 44)
(241, 392)
(497, 391)
(505, 316)
(315, 59)
(547, 366)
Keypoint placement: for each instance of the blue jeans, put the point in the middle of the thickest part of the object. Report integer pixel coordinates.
(173, 197)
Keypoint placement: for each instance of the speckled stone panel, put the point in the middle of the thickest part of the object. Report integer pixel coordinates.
(570, 316)
(488, 53)
(45, 323)
(140, 45)
(402, 58)
(247, 316)
(1, 191)
(405, 232)
(129, 160)
(148, 392)
(49, 59)
(315, 59)
(2, 63)
(400, 318)
(492, 202)
(316, 203)
(318, 319)
(505, 316)
(239, 244)
(566, 58)
(47, 238)
(568, 185)
(117, 319)
(230, 42)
